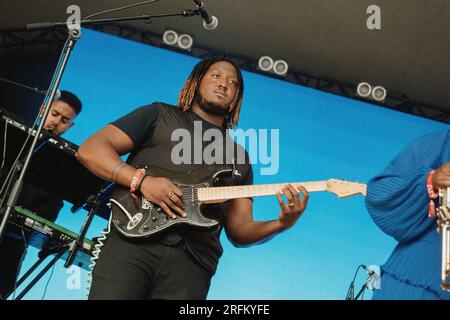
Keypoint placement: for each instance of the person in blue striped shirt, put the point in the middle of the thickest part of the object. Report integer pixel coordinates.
(401, 201)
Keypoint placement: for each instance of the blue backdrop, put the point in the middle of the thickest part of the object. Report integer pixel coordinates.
(322, 136)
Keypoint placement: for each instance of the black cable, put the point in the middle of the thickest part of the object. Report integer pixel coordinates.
(7, 182)
(25, 243)
(60, 247)
(121, 8)
(351, 289)
(35, 89)
(18, 156)
(19, 84)
(5, 134)
(48, 281)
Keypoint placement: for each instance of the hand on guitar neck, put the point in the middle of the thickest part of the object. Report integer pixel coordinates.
(292, 211)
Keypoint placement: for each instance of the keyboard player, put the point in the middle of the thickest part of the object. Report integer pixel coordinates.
(63, 112)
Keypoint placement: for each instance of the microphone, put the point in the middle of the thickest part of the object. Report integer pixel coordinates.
(374, 279)
(368, 270)
(209, 22)
(57, 93)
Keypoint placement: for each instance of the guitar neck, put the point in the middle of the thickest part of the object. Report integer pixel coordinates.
(221, 194)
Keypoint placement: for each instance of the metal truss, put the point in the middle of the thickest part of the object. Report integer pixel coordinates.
(27, 42)
(13, 41)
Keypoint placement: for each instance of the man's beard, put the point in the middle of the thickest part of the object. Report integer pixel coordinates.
(211, 107)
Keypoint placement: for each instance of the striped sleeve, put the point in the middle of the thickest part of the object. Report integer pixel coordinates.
(397, 198)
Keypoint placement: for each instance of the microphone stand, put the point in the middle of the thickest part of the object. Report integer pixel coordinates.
(94, 202)
(351, 289)
(372, 277)
(146, 17)
(363, 288)
(74, 35)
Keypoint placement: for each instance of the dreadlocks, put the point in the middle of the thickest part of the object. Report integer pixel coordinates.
(192, 85)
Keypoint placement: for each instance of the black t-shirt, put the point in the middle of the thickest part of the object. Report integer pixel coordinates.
(156, 131)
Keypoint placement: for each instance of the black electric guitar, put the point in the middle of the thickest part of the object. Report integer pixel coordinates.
(141, 218)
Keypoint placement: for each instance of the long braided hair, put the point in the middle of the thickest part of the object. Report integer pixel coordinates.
(192, 86)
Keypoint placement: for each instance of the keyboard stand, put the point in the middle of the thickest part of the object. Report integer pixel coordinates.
(43, 254)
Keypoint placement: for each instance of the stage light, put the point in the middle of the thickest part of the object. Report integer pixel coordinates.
(185, 41)
(364, 89)
(379, 93)
(265, 63)
(280, 67)
(170, 37)
(367, 91)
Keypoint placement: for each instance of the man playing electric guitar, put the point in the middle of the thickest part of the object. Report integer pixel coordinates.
(179, 263)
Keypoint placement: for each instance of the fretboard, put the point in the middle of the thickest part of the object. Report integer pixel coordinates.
(220, 194)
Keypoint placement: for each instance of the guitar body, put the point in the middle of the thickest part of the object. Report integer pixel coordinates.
(140, 218)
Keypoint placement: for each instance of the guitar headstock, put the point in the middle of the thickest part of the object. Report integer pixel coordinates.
(344, 189)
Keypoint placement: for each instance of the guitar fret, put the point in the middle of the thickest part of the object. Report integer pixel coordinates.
(220, 194)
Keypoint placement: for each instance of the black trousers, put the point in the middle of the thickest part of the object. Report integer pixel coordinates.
(146, 269)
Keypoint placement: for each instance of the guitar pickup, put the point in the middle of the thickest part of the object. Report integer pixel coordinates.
(146, 204)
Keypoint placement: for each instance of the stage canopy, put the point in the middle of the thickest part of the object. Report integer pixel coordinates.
(326, 44)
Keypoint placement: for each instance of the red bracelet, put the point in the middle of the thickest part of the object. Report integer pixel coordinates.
(137, 179)
(432, 194)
